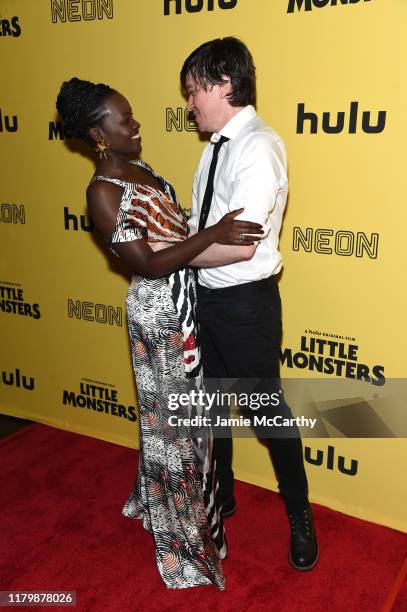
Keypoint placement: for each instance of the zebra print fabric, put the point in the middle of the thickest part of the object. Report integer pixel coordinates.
(174, 493)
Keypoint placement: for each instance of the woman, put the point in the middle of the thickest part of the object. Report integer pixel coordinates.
(138, 213)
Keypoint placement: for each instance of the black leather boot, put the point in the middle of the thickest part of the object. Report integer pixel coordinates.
(228, 507)
(304, 551)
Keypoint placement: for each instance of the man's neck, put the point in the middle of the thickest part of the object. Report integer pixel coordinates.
(230, 112)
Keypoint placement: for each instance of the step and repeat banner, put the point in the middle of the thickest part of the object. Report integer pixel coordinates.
(330, 81)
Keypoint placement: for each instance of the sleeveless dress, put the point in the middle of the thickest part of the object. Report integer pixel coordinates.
(174, 493)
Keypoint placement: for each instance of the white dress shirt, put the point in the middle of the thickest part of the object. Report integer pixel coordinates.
(252, 174)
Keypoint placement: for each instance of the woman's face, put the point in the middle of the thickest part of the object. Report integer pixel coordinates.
(119, 128)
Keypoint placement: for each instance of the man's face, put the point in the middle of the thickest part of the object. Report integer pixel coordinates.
(208, 106)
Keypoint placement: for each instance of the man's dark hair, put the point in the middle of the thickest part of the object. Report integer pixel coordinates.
(81, 105)
(212, 61)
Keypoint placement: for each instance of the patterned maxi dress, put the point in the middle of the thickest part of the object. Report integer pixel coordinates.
(174, 493)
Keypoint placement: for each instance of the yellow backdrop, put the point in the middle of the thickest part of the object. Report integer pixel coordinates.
(329, 81)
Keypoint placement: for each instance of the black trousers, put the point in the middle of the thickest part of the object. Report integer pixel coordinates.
(240, 330)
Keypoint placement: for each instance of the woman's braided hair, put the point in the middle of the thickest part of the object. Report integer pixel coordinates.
(81, 104)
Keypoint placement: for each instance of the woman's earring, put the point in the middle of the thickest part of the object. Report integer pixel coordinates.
(101, 148)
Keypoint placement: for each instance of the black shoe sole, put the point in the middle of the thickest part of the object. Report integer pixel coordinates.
(228, 513)
(301, 568)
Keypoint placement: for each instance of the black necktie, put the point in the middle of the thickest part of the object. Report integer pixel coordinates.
(207, 200)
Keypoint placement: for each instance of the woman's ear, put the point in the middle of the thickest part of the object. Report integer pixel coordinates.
(96, 134)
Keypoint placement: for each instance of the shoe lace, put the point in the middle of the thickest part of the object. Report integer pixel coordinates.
(300, 521)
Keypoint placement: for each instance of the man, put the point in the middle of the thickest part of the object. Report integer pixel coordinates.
(239, 307)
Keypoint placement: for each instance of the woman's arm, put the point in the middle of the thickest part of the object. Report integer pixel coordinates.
(217, 255)
(159, 246)
(104, 200)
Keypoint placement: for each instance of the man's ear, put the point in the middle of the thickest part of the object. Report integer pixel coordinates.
(226, 86)
(96, 134)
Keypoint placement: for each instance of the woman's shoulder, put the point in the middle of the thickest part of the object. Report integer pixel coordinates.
(103, 199)
(102, 188)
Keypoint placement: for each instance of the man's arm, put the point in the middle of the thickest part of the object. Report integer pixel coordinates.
(260, 176)
(221, 255)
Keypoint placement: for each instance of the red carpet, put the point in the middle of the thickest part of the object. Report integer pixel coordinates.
(61, 513)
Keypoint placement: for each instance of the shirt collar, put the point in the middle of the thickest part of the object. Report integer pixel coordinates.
(234, 125)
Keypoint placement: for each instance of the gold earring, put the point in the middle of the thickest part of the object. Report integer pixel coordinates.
(101, 148)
